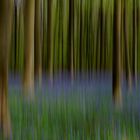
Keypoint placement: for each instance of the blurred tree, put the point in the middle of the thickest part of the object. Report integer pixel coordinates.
(71, 39)
(97, 45)
(49, 39)
(117, 53)
(16, 36)
(126, 46)
(28, 77)
(61, 42)
(135, 42)
(101, 34)
(6, 13)
(44, 42)
(81, 35)
(38, 47)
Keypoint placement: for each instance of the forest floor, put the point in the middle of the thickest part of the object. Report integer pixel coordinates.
(78, 110)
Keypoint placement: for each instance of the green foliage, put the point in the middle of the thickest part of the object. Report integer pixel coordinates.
(75, 117)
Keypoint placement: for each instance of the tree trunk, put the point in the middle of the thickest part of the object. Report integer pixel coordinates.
(38, 49)
(28, 79)
(117, 53)
(49, 40)
(16, 36)
(126, 45)
(101, 35)
(81, 37)
(5, 41)
(71, 39)
(135, 43)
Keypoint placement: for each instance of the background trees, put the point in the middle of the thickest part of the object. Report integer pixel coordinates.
(78, 37)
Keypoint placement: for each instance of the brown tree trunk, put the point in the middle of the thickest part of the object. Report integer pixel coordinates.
(6, 7)
(28, 79)
(117, 53)
(49, 40)
(101, 35)
(38, 49)
(135, 42)
(98, 44)
(81, 37)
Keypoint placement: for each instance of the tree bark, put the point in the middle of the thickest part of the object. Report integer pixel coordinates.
(6, 11)
(49, 40)
(81, 36)
(126, 45)
(117, 53)
(28, 79)
(135, 43)
(38, 47)
(71, 39)
(101, 35)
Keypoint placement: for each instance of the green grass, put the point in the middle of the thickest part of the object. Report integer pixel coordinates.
(72, 118)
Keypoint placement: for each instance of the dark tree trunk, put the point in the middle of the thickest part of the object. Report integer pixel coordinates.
(49, 40)
(126, 45)
(117, 53)
(101, 35)
(71, 39)
(38, 47)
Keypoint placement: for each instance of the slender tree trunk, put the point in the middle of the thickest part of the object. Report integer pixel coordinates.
(81, 37)
(6, 7)
(49, 40)
(59, 37)
(117, 53)
(71, 38)
(135, 43)
(38, 47)
(15, 48)
(44, 36)
(126, 45)
(101, 35)
(98, 44)
(28, 79)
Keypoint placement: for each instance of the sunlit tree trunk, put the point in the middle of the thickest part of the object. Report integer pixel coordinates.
(135, 42)
(81, 36)
(28, 79)
(44, 34)
(126, 46)
(5, 41)
(38, 47)
(117, 53)
(16, 36)
(101, 34)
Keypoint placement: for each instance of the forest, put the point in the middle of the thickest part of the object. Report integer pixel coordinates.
(70, 69)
